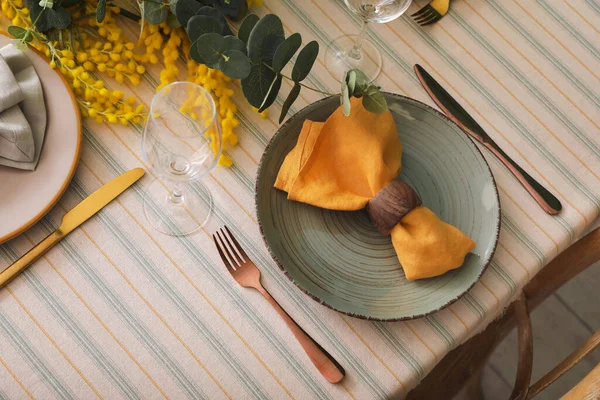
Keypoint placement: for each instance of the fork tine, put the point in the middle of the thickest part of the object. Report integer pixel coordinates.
(237, 246)
(421, 11)
(225, 259)
(227, 248)
(432, 20)
(425, 16)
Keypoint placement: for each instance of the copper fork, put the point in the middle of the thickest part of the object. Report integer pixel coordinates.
(432, 12)
(247, 275)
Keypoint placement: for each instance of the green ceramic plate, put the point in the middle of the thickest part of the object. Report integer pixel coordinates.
(340, 260)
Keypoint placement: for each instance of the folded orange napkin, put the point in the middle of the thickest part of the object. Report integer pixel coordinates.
(341, 164)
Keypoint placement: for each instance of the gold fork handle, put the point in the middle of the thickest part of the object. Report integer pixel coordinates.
(324, 362)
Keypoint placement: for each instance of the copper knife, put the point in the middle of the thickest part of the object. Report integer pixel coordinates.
(72, 219)
(459, 115)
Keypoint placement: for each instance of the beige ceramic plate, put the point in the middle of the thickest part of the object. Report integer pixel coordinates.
(28, 195)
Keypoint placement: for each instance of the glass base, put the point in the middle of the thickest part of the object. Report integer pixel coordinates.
(177, 219)
(338, 61)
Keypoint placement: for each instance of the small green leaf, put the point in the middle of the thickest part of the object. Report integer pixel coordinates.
(246, 27)
(100, 10)
(305, 61)
(199, 25)
(346, 101)
(361, 83)
(269, 25)
(186, 9)
(233, 43)
(155, 12)
(271, 94)
(256, 85)
(172, 21)
(286, 51)
(209, 47)
(235, 64)
(292, 96)
(40, 37)
(172, 6)
(19, 33)
(351, 80)
(58, 17)
(374, 101)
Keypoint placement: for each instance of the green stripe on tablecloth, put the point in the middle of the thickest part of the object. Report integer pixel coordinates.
(440, 329)
(509, 225)
(400, 349)
(509, 116)
(251, 315)
(137, 327)
(3, 395)
(20, 342)
(567, 73)
(594, 5)
(502, 272)
(88, 344)
(510, 67)
(562, 21)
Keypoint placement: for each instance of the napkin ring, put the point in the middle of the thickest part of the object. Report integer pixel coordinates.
(391, 204)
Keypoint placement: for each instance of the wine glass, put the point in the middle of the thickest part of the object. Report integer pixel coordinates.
(354, 51)
(182, 143)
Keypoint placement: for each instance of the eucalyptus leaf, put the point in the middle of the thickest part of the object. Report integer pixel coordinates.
(374, 102)
(292, 96)
(270, 46)
(172, 21)
(186, 9)
(101, 10)
(246, 27)
(346, 101)
(70, 3)
(286, 51)
(42, 24)
(305, 61)
(217, 16)
(235, 64)
(209, 47)
(268, 25)
(155, 12)
(238, 12)
(58, 18)
(361, 83)
(19, 33)
(199, 25)
(256, 85)
(271, 93)
(233, 43)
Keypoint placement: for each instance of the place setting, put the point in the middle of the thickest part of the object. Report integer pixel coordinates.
(375, 205)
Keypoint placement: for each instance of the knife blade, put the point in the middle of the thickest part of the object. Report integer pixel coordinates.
(461, 117)
(72, 219)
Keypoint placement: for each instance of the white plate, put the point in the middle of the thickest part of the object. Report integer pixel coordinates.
(26, 196)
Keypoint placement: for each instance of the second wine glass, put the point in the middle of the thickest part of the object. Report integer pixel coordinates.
(354, 51)
(182, 143)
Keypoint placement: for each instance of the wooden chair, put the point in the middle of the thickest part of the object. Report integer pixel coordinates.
(463, 366)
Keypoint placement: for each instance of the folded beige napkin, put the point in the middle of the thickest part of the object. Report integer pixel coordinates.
(22, 111)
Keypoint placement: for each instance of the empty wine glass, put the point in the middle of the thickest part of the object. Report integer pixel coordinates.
(182, 143)
(354, 51)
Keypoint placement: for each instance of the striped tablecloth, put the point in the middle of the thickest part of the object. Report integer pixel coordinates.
(118, 310)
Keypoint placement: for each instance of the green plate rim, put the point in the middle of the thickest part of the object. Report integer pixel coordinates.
(360, 316)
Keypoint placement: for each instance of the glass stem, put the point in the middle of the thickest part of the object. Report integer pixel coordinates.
(176, 197)
(356, 51)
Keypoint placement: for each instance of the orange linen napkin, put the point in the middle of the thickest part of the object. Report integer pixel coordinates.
(342, 163)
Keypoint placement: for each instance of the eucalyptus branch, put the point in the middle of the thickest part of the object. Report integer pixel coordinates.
(129, 14)
(300, 83)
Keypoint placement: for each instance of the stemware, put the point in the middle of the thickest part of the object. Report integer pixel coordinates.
(182, 143)
(354, 51)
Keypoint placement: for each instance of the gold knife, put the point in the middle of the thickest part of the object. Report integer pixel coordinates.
(72, 219)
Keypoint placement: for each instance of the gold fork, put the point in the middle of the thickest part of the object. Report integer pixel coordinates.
(247, 275)
(432, 12)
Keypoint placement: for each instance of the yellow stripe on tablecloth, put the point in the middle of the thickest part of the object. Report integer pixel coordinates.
(41, 328)
(16, 378)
